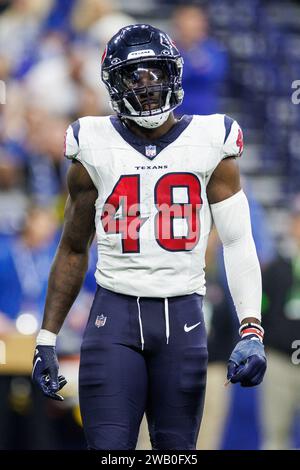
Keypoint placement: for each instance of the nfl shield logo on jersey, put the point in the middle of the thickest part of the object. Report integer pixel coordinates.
(150, 151)
(100, 320)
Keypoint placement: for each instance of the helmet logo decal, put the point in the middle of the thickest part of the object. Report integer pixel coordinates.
(141, 53)
(116, 60)
(165, 40)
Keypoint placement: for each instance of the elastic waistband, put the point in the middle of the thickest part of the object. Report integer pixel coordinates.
(162, 299)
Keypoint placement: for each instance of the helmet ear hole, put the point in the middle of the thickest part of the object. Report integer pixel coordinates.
(142, 70)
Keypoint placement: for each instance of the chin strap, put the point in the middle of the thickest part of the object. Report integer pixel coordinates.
(151, 122)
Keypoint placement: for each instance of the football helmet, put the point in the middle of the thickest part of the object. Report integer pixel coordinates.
(142, 70)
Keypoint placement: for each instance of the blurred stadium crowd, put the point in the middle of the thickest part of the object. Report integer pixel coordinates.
(241, 58)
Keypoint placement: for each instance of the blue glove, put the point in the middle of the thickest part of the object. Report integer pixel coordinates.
(247, 363)
(45, 372)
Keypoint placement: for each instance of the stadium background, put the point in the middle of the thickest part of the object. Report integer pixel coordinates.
(241, 58)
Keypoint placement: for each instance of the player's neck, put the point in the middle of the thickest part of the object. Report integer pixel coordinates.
(151, 134)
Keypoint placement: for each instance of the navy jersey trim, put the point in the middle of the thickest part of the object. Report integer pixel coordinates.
(140, 144)
(76, 127)
(228, 121)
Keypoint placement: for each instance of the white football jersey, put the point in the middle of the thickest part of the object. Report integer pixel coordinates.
(152, 214)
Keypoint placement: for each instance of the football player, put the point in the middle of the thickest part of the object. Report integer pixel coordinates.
(150, 185)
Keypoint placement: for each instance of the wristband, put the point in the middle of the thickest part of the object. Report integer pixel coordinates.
(251, 329)
(46, 338)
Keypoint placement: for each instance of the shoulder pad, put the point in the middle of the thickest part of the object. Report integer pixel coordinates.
(233, 144)
(72, 148)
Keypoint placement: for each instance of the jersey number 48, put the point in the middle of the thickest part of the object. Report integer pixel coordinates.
(125, 200)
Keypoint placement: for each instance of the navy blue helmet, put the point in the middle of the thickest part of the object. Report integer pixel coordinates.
(142, 70)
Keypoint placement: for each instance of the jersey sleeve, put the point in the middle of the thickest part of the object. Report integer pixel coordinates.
(233, 139)
(72, 149)
(76, 148)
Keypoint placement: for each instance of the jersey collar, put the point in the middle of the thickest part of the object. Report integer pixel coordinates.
(150, 149)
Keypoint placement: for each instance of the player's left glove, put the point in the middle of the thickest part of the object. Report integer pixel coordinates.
(247, 363)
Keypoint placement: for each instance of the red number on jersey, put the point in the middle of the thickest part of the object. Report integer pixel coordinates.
(125, 197)
(240, 142)
(170, 210)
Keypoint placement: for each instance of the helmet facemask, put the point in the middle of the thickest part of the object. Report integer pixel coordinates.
(147, 90)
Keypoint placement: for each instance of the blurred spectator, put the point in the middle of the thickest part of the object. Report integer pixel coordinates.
(281, 284)
(25, 261)
(24, 265)
(45, 162)
(58, 80)
(100, 19)
(59, 16)
(205, 62)
(13, 202)
(20, 25)
(87, 12)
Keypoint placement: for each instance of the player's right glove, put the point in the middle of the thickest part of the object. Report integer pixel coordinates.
(45, 372)
(247, 363)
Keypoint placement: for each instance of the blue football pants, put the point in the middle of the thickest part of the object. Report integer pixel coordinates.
(143, 355)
